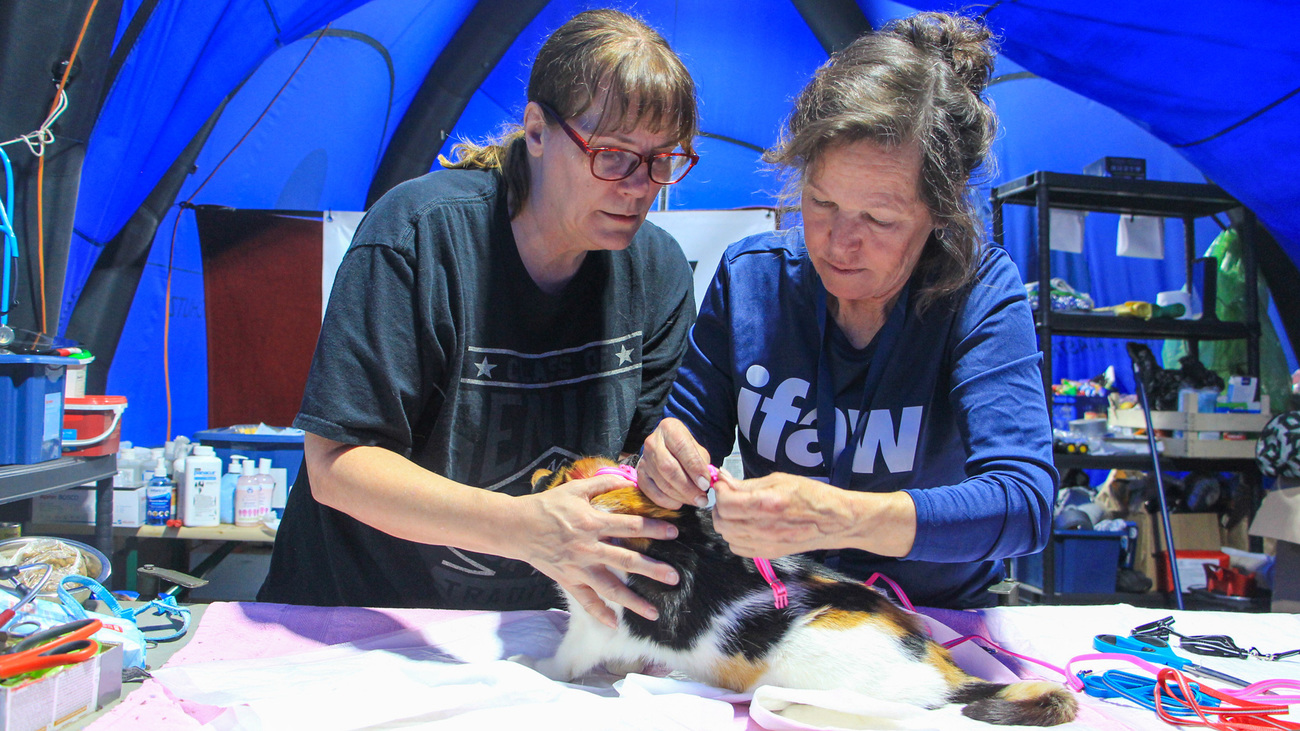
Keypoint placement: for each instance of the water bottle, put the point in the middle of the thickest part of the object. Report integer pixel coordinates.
(158, 496)
(228, 481)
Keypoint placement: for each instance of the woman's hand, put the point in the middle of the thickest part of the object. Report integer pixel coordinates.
(674, 468)
(781, 514)
(565, 538)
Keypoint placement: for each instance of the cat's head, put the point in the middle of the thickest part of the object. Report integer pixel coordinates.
(544, 479)
(625, 500)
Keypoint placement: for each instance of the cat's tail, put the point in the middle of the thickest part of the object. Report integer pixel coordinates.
(1029, 703)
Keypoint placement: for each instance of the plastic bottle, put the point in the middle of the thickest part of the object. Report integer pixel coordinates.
(200, 496)
(247, 496)
(228, 481)
(267, 483)
(158, 496)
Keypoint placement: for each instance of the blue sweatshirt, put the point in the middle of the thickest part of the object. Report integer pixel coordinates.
(957, 417)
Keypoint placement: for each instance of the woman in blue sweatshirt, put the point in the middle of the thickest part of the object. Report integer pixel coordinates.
(877, 365)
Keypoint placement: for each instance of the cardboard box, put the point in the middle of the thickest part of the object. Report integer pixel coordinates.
(1192, 532)
(57, 699)
(1279, 518)
(77, 505)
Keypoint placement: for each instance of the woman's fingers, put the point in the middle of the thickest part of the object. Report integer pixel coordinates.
(651, 489)
(676, 466)
(592, 603)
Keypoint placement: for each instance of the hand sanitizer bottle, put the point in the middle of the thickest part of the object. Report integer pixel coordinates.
(247, 496)
(228, 481)
(158, 496)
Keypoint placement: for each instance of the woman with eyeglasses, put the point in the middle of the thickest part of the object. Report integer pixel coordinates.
(502, 316)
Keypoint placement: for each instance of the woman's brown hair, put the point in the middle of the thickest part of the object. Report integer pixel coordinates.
(919, 80)
(599, 56)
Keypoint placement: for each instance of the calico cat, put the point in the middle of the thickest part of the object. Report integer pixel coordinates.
(719, 625)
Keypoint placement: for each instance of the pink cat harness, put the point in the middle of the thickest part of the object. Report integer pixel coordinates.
(780, 597)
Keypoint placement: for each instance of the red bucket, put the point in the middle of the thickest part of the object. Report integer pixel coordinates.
(97, 420)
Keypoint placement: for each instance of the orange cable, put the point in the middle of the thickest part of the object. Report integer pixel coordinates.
(171, 255)
(40, 167)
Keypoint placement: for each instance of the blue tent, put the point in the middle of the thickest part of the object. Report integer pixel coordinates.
(318, 105)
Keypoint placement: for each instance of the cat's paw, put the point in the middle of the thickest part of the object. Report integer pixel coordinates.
(527, 661)
(551, 668)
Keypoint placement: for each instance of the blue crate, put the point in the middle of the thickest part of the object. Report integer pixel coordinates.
(1087, 562)
(31, 407)
(1068, 408)
(284, 450)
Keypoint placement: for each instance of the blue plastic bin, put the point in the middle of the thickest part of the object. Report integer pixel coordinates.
(31, 407)
(1087, 562)
(284, 450)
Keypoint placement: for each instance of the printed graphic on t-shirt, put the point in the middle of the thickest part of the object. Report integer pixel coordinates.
(780, 420)
(520, 412)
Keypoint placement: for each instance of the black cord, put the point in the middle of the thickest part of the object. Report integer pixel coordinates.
(1208, 645)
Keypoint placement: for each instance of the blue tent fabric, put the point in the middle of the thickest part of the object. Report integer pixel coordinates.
(1220, 82)
(1186, 86)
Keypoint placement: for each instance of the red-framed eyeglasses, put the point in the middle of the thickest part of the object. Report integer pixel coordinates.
(614, 163)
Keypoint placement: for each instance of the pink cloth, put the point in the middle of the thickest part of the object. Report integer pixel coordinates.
(242, 631)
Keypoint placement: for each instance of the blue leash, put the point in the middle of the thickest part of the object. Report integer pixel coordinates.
(164, 605)
(1140, 689)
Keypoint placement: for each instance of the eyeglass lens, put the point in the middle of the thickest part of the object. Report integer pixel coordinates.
(665, 169)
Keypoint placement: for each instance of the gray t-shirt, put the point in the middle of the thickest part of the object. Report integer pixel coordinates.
(438, 345)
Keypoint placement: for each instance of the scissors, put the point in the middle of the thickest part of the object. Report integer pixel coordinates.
(66, 644)
(1158, 651)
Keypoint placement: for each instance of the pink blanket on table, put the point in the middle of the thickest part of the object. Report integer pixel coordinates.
(243, 631)
(247, 631)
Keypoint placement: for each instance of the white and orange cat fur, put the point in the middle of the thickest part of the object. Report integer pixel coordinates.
(719, 625)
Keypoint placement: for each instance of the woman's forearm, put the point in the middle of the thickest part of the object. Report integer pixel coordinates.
(390, 493)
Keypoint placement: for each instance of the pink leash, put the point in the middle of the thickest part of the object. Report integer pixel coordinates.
(780, 596)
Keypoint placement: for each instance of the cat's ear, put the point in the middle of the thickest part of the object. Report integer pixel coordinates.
(542, 479)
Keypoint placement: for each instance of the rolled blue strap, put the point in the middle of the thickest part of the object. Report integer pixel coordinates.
(165, 605)
(98, 591)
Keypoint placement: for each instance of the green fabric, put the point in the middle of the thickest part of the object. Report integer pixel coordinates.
(1228, 357)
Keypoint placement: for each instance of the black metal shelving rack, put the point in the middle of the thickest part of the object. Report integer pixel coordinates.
(1185, 201)
(23, 481)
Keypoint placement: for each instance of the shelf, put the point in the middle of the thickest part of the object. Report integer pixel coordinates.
(1110, 326)
(21, 481)
(254, 534)
(1142, 462)
(1118, 195)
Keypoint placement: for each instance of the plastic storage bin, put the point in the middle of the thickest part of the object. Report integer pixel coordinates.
(31, 407)
(93, 425)
(284, 450)
(1087, 562)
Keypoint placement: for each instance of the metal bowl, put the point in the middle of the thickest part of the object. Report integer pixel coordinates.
(97, 565)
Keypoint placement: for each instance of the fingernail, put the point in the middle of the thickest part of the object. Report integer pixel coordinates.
(672, 578)
(672, 533)
(702, 501)
(654, 616)
(703, 483)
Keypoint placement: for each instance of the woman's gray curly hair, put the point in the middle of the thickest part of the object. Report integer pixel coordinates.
(919, 80)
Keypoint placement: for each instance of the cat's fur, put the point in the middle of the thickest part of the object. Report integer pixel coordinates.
(719, 625)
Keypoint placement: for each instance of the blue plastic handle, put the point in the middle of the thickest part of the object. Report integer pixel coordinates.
(1151, 650)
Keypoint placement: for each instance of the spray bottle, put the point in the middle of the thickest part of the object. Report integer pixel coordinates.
(158, 496)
